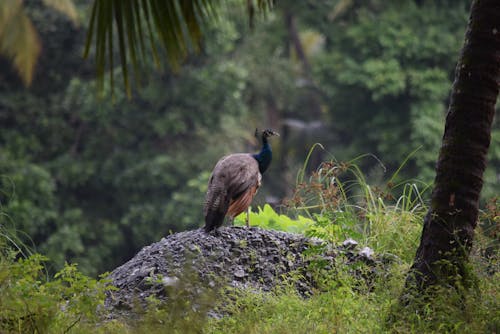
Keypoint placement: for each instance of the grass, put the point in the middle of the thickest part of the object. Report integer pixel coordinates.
(334, 203)
(339, 310)
(345, 309)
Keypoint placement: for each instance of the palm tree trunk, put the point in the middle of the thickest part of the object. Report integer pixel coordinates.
(449, 225)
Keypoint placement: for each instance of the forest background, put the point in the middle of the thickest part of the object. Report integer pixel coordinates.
(92, 180)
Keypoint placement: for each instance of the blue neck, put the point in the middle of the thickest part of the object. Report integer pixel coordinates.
(264, 157)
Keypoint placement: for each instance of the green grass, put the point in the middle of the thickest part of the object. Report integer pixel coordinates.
(340, 309)
(345, 308)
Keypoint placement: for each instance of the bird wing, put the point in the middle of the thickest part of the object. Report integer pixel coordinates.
(243, 174)
(232, 176)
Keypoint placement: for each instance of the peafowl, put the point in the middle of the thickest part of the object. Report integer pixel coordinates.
(234, 183)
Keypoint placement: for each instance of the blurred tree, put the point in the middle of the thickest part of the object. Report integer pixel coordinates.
(393, 57)
(386, 73)
(94, 181)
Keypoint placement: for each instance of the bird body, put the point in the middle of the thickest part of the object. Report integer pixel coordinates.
(234, 183)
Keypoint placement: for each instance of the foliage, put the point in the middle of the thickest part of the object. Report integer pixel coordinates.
(32, 304)
(269, 219)
(340, 310)
(71, 301)
(18, 39)
(397, 60)
(391, 225)
(343, 205)
(92, 182)
(347, 309)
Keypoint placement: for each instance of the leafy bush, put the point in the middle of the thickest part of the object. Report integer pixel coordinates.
(269, 219)
(31, 303)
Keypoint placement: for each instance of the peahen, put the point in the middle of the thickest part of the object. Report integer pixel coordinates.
(234, 183)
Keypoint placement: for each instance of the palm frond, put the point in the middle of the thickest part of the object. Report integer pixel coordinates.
(263, 6)
(19, 40)
(170, 25)
(67, 7)
(150, 27)
(340, 9)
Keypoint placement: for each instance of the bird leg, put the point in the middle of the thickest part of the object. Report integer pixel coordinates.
(248, 217)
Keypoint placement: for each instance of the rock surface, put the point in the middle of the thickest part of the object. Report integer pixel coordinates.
(239, 257)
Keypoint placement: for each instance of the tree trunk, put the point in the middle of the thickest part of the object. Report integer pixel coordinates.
(449, 225)
(293, 35)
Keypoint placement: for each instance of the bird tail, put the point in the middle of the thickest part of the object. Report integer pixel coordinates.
(213, 219)
(215, 210)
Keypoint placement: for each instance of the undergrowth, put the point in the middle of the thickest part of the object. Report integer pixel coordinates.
(31, 303)
(388, 219)
(334, 203)
(346, 309)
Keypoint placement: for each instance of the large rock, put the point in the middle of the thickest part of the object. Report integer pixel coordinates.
(239, 257)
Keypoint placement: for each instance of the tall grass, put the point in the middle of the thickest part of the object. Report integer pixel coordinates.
(344, 308)
(338, 197)
(9, 234)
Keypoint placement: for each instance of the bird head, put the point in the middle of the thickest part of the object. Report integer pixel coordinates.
(266, 133)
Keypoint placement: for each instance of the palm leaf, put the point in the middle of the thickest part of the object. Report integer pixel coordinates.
(19, 40)
(173, 28)
(66, 7)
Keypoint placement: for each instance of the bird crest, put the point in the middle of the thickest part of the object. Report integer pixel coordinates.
(266, 133)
